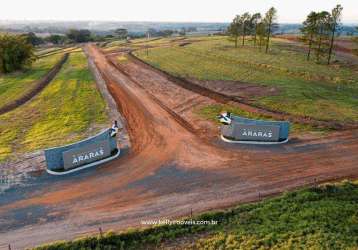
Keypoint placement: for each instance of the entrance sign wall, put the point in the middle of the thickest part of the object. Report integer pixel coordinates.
(243, 129)
(87, 151)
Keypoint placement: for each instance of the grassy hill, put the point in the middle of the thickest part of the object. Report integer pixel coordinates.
(14, 85)
(324, 217)
(68, 109)
(304, 88)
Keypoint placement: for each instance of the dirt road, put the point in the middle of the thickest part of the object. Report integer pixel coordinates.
(168, 171)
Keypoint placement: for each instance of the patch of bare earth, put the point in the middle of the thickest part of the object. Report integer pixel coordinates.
(180, 100)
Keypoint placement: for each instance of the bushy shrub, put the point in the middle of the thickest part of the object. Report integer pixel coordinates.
(15, 53)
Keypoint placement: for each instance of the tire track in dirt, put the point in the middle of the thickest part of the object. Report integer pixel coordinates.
(177, 117)
(172, 95)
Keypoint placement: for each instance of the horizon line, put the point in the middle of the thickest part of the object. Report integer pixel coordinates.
(354, 22)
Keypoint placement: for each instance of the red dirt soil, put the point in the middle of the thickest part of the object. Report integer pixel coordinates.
(169, 169)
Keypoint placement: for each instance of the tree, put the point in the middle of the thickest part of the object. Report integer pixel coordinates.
(271, 25)
(182, 32)
(255, 20)
(15, 53)
(322, 34)
(56, 39)
(33, 39)
(244, 24)
(334, 23)
(79, 36)
(261, 33)
(233, 29)
(309, 30)
(166, 33)
(121, 33)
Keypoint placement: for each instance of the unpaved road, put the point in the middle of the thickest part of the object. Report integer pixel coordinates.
(168, 171)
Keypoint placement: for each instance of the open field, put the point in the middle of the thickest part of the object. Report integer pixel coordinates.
(41, 51)
(141, 43)
(311, 218)
(63, 112)
(15, 85)
(132, 44)
(70, 49)
(300, 87)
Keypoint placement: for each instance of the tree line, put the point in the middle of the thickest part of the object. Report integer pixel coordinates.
(72, 36)
(319, 32)
(259, 27)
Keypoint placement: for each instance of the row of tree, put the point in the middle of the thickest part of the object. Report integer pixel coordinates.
(72, 36)
(35, 40)
(256, 26)
(319, 32)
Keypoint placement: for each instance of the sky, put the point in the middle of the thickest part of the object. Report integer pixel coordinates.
(289, 11)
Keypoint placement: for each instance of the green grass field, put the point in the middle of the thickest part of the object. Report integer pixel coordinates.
(305, 88)
(324, 217)
(68, 109)
(14, 85)
(42, 51)
(137, 43)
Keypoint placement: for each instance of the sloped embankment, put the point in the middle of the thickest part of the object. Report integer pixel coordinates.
(41, 84)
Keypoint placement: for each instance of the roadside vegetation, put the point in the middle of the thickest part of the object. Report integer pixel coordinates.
(68, 109)
(305, 88)
(322, 217)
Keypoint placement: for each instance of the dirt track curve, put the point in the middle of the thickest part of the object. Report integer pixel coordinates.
(169, 170)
